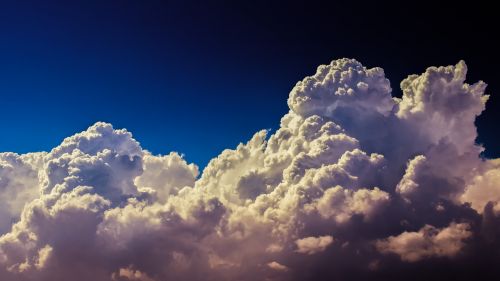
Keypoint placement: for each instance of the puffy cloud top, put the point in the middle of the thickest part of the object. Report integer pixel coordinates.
(441, 97)
(342, 83)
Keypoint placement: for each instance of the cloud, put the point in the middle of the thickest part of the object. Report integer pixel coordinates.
(341, 204)
(427, 242)
(485, 188)
(343, 83)
(130, 274)
(408, 184)
(441, 98)
(18, 185)
(385, 176)
(277, 266)
(166, 175)
(312, 245)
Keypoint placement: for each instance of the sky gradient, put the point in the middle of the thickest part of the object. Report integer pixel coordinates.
(185, 76)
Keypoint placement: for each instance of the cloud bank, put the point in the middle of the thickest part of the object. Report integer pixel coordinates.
(355, 184)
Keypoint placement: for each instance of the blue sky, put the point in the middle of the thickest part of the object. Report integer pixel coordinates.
(190, 77)
(66, 68)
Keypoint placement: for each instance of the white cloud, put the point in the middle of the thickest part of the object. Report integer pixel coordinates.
(166, 175)
(313, 245)
(341, 204)
(427, 242)
(409, 184)
(343, 83)
(19, 185)
(441, 105)
(277, 266)
(130, 274)
(484, 188)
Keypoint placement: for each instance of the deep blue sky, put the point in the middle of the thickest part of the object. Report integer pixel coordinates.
(198, 77)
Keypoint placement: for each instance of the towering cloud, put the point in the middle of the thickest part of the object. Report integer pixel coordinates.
(354, 184)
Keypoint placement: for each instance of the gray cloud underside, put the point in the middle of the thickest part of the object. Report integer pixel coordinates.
(354, 184)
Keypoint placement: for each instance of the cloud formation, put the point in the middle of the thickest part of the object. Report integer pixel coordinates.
(427, 242)
(313, 245)
(354, 184)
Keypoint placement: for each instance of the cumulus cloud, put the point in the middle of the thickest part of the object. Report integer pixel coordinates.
(385, 176)
(427, 242)
(312, 245)
(342, 83)
(18, 185)
(166, 175)
(341, 204)
(277, 266)
(441, 98)
(485, 188)
(130, 274)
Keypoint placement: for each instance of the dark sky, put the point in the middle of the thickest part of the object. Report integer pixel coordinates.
(200, 76)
